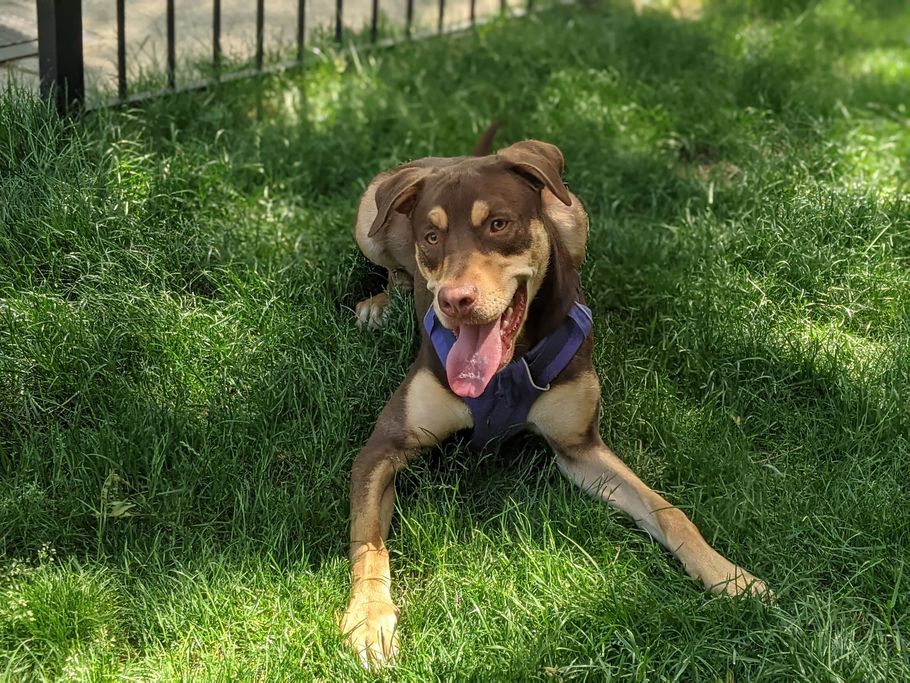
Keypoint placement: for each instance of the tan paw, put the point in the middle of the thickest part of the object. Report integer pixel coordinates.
(370, 627)
(371, 312)
(724, 577)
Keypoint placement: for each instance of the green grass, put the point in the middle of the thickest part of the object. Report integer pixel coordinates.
(183, 390)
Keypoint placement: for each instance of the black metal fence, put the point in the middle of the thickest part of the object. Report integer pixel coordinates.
(62, 68)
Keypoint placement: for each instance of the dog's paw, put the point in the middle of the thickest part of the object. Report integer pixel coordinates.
(372, 312)
(724, 577)
(370, 628)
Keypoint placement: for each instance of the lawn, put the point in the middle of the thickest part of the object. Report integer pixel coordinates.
(183, 390)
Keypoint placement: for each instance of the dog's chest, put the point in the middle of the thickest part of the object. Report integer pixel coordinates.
(503, 408)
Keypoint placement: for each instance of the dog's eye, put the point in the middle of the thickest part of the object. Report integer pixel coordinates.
(432, 237)
(498, 224)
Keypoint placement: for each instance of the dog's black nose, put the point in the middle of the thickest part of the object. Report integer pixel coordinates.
(457, 301)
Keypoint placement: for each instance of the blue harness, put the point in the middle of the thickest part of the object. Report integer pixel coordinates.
(502, 409)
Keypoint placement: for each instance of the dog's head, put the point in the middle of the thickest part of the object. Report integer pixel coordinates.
(482, 245)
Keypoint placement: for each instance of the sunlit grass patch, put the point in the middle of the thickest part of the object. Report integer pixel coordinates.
(60, 620)
(890, 64)
(831, 349)
(340, 91)
(601, 103)
(871, 152)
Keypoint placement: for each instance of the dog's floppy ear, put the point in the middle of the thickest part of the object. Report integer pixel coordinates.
(540, 161)
(398, 192)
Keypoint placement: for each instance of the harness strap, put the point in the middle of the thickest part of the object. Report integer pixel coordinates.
(552, 354)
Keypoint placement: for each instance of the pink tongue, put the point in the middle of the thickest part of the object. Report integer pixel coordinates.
(474, 359)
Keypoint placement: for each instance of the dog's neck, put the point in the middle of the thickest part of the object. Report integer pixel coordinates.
(560, 289)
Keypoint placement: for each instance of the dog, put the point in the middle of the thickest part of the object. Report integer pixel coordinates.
(491, 246)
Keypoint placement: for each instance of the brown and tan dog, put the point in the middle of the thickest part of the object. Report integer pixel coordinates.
(494, 243)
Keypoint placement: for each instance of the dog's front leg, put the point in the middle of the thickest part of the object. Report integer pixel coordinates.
(371, 311)
(420, 414)
(567, 416)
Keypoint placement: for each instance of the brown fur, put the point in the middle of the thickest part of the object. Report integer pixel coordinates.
(431, 223)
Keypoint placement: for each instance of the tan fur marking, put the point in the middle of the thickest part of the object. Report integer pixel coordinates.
(539, 256)
(479, 212)
(366, 214)
(439, 217)
(431, 410)
(566, 410)
(431, 276)
(570, 221)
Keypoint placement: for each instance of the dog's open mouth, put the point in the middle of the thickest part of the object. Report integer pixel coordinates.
(480, 351)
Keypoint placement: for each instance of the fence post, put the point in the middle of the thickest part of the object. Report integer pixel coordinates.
(60, 52)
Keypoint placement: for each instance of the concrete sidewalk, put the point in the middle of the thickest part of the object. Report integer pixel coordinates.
(18, 42)
(146, 34)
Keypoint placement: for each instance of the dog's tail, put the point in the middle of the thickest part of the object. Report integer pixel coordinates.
(484, 144)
